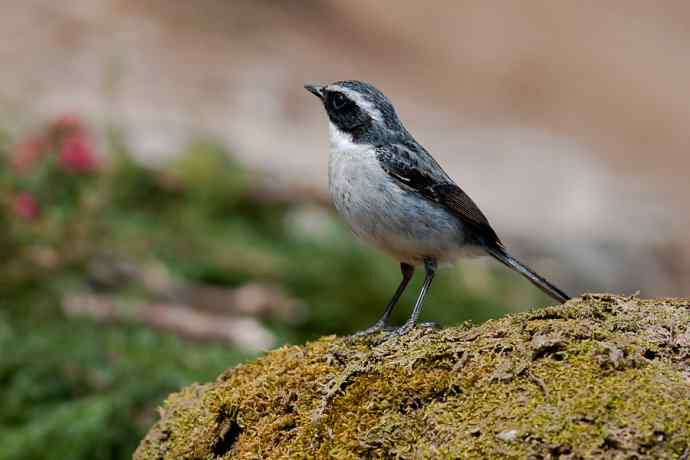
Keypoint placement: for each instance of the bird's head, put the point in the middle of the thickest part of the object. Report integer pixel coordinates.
(359, 111)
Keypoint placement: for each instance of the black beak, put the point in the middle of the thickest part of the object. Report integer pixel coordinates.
(316, 90)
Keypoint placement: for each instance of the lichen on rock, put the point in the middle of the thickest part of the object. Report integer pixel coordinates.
(601, 376)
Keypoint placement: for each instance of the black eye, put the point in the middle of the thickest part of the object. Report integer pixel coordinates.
(338, 101)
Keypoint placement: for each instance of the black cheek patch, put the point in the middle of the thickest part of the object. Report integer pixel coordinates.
(351, 119)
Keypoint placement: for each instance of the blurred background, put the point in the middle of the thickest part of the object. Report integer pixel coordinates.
(163, 204)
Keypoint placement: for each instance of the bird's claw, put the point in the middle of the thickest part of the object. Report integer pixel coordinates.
(408, 327)
(402, 330)
(378, 327)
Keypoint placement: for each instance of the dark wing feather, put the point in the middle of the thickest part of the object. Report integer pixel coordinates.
(415, 169)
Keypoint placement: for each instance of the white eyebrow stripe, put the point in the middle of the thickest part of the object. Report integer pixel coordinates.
(361, 102)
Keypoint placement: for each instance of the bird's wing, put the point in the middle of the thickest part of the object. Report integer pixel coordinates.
(415, 169)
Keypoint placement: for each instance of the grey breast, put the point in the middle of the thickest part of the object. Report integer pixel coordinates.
(379, 210)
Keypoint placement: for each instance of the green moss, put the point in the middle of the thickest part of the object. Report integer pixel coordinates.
(602, 376)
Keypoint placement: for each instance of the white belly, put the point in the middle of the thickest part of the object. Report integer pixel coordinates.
(398, 221)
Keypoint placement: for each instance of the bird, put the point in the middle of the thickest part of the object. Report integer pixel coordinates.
(394, 195)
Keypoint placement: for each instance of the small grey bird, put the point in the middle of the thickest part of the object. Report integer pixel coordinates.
(395, 195)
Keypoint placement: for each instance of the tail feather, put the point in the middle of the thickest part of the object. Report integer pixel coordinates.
(506, 259)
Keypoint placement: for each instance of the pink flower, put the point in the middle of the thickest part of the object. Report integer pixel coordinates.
(27, 153)
(66, 125)
(26, 206)
(77, 155)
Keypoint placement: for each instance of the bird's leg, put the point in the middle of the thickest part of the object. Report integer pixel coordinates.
(430, 267)
(382, 324)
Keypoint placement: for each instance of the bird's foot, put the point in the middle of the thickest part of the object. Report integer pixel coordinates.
(430, 325)
(408, 327)
(378, 327)
(402, 330)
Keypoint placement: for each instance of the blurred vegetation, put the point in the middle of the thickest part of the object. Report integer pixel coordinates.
(71, 387)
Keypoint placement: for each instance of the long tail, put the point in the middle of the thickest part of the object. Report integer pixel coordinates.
(506, 259)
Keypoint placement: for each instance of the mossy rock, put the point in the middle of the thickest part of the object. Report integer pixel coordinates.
(599, 377)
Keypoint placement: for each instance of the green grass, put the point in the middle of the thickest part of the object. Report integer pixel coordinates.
(74, 389)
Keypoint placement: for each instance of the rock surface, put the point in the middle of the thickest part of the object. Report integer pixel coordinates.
(599, 377)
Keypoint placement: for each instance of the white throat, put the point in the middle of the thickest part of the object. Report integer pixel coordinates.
(339, 140)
